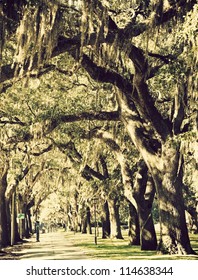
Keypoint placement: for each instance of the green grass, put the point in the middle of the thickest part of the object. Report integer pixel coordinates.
(114, 249)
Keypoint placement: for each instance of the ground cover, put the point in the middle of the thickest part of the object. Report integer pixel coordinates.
(105, 249)
(114, 249)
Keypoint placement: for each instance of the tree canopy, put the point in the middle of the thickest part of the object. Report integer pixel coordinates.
(89, 89)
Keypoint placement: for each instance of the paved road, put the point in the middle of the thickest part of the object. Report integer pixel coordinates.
(52, 246)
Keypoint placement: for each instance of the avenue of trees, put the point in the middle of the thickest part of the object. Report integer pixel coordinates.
(98, 104)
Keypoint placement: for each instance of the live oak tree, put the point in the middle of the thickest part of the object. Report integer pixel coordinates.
(139, 191)
(133, 49)
(18, 162)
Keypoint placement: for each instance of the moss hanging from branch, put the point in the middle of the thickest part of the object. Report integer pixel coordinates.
(94, 19)
(190, 28)
(36, 36)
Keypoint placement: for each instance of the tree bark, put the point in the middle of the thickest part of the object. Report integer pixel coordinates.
(4, 233)
(89, 220)
(83, 218)
(20, 209)
(144, 192)
(106, 231)
(149, 238)
(174, 238)
(114, 219)
(86, 220)
(165, 166)
(84, 225)
(27, 222)
(134, 228)
(8, 215)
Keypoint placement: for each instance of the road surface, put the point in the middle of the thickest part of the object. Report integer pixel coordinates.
(52, 246)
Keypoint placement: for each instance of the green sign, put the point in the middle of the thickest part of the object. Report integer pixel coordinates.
(21, 216)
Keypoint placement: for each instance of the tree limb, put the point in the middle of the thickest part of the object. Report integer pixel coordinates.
(135, 29)
(67, 44)
(14, 121)
(77, 159)
(100, 116)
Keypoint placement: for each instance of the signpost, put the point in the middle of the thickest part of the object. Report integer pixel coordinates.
(95, 221)
(21, 216)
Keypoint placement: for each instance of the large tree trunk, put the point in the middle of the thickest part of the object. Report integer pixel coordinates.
(114, 219)
(106, 231)
(174, 238)
(86, 220)
(76, 223)
(13, 223)
(163, 160)
(4, 233)
(148, 234)
(29, 221)
(134, 229)
(83, 219)
(89, 220)
(144, 192)
(16, 228)
(28, 225)
(21, 222)
(84, 225)
(166, 171)
(8, 216)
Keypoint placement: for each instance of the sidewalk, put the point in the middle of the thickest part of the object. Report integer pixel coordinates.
(52, 246)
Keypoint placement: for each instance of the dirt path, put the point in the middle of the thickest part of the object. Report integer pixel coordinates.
(52, 246)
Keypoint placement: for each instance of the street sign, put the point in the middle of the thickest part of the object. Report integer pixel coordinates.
(21, 216)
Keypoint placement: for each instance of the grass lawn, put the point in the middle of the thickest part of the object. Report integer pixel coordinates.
(114, 249)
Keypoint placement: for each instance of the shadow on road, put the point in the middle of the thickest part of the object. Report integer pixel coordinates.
(52, 246)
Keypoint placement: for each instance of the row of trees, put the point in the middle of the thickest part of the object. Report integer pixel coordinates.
(100, 98)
